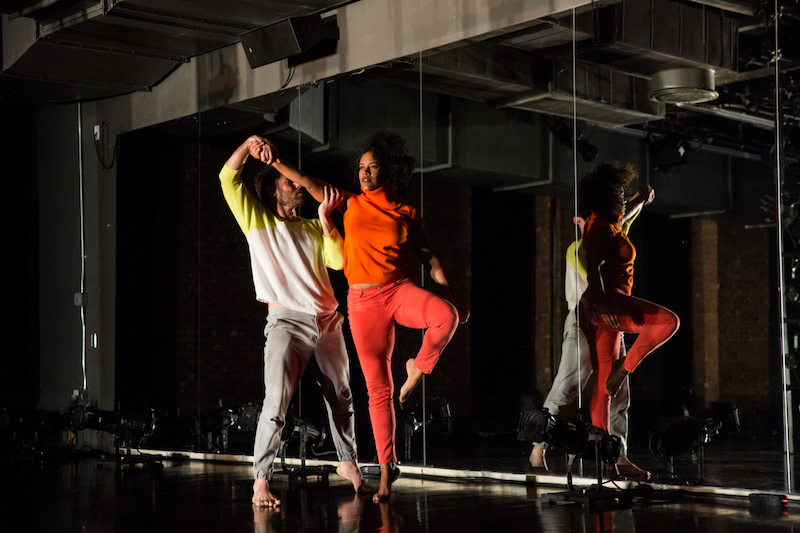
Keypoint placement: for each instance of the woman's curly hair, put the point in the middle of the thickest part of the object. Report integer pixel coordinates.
(395, 160)
(603, 190)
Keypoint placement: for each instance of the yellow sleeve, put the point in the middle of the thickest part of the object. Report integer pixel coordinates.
(248, 212)
(580, 266)
(333, 247)
(626, 226)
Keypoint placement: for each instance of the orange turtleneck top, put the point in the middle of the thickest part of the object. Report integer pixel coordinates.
(376, 247)
(606, 243)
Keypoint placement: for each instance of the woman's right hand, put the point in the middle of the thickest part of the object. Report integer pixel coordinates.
(331, 198)
(610, 319)
(608, 315)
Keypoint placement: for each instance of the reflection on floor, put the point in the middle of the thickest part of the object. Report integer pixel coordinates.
(88, 495)
(730, 462)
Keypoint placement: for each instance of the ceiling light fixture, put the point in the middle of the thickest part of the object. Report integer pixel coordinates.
(688, 85)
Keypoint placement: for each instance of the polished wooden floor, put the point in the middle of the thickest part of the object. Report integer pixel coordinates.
(90, 495)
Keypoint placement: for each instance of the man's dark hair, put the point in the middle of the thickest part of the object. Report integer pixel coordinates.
(266, 177)
(603, 190)
(395, 159)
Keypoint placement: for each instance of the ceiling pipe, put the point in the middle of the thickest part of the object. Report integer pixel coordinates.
(741, 7)
(758, 122)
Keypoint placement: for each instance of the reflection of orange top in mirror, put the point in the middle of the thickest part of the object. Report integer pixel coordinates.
(615, 251)
(376, 248)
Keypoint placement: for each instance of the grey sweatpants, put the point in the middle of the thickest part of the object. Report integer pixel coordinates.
(295, 340)
(565, 389)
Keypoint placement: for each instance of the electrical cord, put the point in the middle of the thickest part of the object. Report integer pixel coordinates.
(100, 134)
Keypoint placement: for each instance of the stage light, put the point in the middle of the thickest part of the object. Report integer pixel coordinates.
(87, 417)
(574, 437)
(692, 434)
(248, 416)
(216, 424)
(668, 153)
(563, 134)
(306, 432)
(304, 429)
(680, 436)
(437, 412)
(217, 419)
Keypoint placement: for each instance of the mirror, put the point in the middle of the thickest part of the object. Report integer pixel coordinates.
(492, 123)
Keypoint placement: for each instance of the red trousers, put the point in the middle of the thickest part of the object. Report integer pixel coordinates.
(373, 314)
(654, 324)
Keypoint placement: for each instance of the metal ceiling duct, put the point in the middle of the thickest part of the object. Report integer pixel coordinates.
(688, 85)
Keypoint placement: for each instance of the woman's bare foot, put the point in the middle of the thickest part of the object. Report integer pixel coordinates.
(630, 470)
(350, 471)
(618, 373)
(389, 474)
(414, 375)
(537, 459)
(262, 497)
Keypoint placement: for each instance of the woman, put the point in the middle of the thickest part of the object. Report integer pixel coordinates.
(607, 307)
(381, 233)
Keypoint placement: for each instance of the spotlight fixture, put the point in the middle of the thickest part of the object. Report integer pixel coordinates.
(248, 416)
(574, 437)
(437, 412)
(668, 153)
(129, 430)
(691, 435)
(689, 85)
(563, 134)
(87, 417)
(216, 424)
(306, 432)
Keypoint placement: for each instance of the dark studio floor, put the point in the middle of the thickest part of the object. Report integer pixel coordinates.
(88, 494)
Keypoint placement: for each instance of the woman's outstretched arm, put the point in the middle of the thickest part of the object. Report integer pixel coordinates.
(267, 152)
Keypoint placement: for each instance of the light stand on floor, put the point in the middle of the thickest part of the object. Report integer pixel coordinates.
(577, 439)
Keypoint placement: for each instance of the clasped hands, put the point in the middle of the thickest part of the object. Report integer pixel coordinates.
(262, 149)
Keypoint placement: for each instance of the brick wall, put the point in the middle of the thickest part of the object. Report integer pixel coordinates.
(744, 315)
(731, 308)
(220, 324)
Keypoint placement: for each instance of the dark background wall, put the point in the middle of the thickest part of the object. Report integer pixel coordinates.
(19, 376)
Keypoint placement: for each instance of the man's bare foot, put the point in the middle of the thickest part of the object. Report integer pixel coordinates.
(389, 474)
(262, 497)
(537, 459)
(618, 373)
(630, 470)
(350, 471)
(414, 375)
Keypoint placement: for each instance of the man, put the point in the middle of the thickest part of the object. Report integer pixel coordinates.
(575, 366)
(289, 256)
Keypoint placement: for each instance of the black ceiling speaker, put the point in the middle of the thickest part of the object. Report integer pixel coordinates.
(300, 39)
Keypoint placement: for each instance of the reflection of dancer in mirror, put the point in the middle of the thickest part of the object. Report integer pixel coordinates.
(575, 362)
(607, 307)
(289, 258)
(381, 233)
